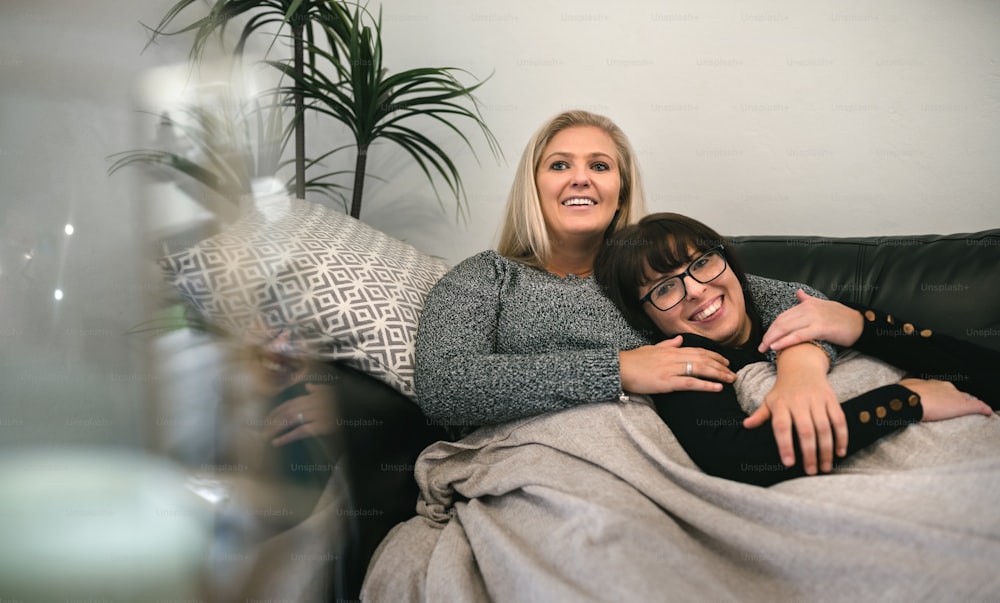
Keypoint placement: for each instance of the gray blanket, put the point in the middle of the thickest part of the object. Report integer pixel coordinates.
(600, 503)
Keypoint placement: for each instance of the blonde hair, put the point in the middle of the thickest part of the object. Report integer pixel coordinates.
(523, 236)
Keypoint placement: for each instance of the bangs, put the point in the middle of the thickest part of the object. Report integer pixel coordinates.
(669, 247)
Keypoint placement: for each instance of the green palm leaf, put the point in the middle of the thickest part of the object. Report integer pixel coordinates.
(374, 105)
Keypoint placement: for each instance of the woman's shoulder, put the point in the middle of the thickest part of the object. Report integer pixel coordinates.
(764, 283)
(488, 262)
(769, 294)
(762, 286)
(479, 270)
(488, 257)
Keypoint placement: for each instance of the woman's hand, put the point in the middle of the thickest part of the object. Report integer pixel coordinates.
(311, 415)
(662, 368)
(813, 319)
(942, 400)
(802, 396)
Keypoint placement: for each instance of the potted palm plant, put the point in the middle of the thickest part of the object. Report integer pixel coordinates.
(351, 86)
(336, 71)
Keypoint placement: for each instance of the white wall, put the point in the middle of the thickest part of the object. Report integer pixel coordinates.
(824, 117)
(767, 117)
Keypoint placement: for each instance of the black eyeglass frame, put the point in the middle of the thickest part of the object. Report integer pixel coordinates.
(687, 272)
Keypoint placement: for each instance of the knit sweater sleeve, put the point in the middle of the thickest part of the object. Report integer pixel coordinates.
(772, 297)
(468, 371)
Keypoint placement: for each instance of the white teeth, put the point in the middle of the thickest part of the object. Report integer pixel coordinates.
(579, 201)
(709, 310)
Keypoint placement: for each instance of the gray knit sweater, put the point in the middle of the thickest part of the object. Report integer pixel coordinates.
(500, 340)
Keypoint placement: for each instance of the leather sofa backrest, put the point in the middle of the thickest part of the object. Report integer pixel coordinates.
(948, 283)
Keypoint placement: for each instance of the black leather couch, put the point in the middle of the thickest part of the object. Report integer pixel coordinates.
(947, 283)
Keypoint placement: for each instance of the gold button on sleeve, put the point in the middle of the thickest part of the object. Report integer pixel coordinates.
(869, 315)
(926, 333)
(865, 416)
(913, 400)
(909, 329)
(896, 404)
(880, 412)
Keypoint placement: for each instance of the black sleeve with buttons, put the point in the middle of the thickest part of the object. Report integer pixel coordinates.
(709, 425)
(925, 354)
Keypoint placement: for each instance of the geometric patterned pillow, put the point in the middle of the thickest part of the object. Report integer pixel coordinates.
(348, 292)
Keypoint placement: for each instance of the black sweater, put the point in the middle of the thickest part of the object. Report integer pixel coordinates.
(709, 425)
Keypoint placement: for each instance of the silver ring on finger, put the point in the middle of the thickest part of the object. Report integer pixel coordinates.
(300, 418)
(688, 371)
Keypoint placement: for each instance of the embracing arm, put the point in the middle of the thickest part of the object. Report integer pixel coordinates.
(913, 348)
(802, 395)
(710, 428)
(773, 299)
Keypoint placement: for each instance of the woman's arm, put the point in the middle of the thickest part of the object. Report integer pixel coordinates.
(802, 386)
(710, 426)
(814, 317)
(710, 429)
(802, 396)
(929, 355)
(774, 299)
(913, 348)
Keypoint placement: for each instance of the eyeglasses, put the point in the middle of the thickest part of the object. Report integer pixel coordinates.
(671, 291)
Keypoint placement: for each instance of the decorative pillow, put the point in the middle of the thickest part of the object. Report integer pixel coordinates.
(347, 291)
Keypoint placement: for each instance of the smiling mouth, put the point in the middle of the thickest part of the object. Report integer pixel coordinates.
(579, 201)
(708, 311)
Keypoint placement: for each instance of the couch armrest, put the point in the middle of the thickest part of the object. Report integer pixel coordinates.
(382, 434)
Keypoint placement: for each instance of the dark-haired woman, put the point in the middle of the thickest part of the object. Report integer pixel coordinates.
(671, 275)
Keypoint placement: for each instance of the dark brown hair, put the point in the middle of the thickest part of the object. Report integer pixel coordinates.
(660, 243)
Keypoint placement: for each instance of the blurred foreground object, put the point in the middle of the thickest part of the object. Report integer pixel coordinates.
(101, 524)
